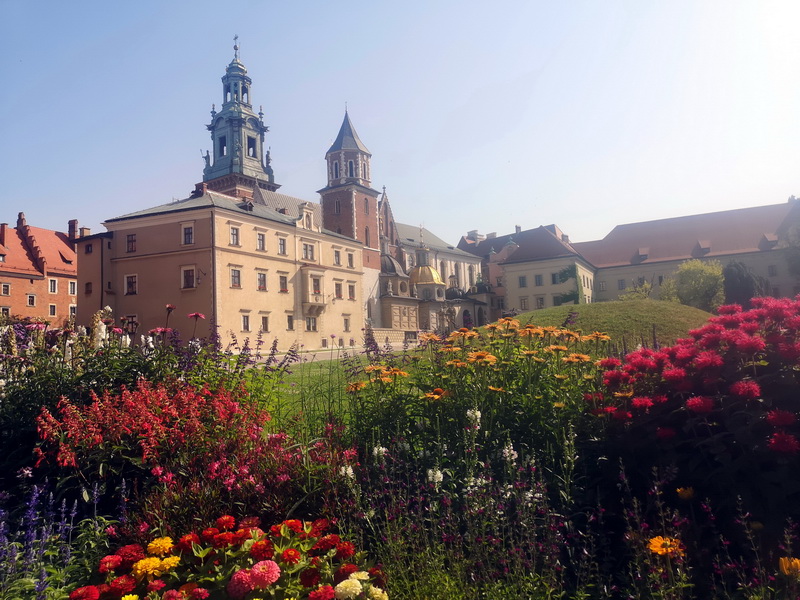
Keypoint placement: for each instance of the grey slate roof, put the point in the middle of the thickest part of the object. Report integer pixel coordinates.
(348, 138)
(408, 235)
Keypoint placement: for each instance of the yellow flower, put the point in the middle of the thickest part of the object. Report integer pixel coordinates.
(558, 405)
(686, 493)
(150, 566)
(666, 546)
(160, 546)
(130, 597)
(496, 389)
(170, 563)
(790, 566)
(575, 357)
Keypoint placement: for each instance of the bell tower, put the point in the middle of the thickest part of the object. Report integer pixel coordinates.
(238, 161)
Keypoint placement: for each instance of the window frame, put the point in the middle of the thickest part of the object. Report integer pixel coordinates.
(131, 282)
(236, 278)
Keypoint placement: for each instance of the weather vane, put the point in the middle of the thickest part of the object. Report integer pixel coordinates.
(236, 46)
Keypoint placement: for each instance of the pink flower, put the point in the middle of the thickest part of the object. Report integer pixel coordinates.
(170, 308)
(700, 405)
(240, 584)
(747, 389)
(199, 594)
(265, 573)
(783, 443)
(196, 315)
(642, 403)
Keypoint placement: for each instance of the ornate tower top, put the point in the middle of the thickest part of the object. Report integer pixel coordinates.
(239, 160)
(348, 158)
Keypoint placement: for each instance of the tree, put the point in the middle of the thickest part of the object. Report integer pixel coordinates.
(741, 284)
(700, 283)
(641, 290)
(564, 275)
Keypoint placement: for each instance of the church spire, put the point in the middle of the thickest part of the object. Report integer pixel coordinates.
(348, 157)
(239, 160)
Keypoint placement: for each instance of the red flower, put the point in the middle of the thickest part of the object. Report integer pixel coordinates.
(199, 594)
(378, 576)
(323, 593)
(344, 572)
(319, 527)
(610, 363)
(291, 556)
(747, 389)
(226, 523)
(123, 585)
(708, 360)
(187, 541)
(780, 418)
(262, 550)
(665, 433)
(155, 585)
(223, 539)
(130, 554)
(88, 592)
(642, 403)
(275, 530)
(700, 405)
(783, 443)
(345, 550)
(325, 543)
(110, 563)
(294, 525)
(309, 577)
(250, 523)
(622, 415)
(209, 534)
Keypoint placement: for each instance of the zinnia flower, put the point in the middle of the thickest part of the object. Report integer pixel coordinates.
(240, 584)
(123, 585)
(196, 315)
(160, 546)
(376, 593)
(110, 563)
(89, 592)
(325, 592)
(262, 550)
(291, 556)
(345, 550)
(348, 589)
(225, 523)
(265, 573)
(310, 577)
(147, 567)
(666, 546)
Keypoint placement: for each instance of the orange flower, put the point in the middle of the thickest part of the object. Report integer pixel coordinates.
(395, 372)
(355, 386)
(373, 368)
(437, 394)
(790, 566)
(666, 546)
(496, 389)
(686, 493)
(456, 363)
(557, 348)
(449, 349)
(482, 358)
(429, 337)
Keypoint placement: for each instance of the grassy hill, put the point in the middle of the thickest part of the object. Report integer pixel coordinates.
(627, 322)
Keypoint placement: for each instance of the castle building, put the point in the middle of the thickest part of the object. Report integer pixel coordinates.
(539, 268)
(253, 260)
(38, 272)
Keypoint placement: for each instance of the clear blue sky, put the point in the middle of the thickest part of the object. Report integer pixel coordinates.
(478, 115)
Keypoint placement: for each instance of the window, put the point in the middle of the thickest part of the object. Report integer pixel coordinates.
(131, 285)
(621, 284)
(523, 281)
(53, 286)
(539, 301)
(73, 310)
(234, 236)
(772, 271)
(601, 286)
(350, 260)
(283, 283)
(73, 288)
(316, 285)
(282, 246)
(499, 282)
(87, 288)
(245, 322)
(290, 322)
(264, 323)
(337, 289)
(523, 303)
(538, 280)
(351, 169)
(188, 235)
(87, 249)
(187, 278)
(5, 311)
(5, 289)
(501, 303)
(52, 310)
(366, 206)
(366, 236)
(347, 323)
(554, 278)
(308, 251)
(337, 206)
(130, 242)
(336, 176)
(261, 241)
(337, 257)
(262, 282)
(222, 148)
(351, 292)
(311, 323)
(251, 146)
(236, 278)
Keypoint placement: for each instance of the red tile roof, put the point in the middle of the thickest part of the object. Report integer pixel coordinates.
(26, 246)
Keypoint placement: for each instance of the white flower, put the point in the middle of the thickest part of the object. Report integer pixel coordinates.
(376, 593)
(379, 451)
(347, 589)
(347, 471)
(474, 417)
(435, 476)
(509, 453)
(360, 575)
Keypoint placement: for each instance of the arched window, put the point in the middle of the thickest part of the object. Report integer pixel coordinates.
(351, 169)
(366, 236)
(336, 170)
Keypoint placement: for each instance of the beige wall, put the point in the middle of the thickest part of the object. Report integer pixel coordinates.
(532, 296)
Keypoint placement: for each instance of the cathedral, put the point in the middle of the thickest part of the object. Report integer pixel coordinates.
(253, 261)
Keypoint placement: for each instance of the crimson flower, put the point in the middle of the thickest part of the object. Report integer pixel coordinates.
(291, 556)
(89, 592)
(783, 443)
(780, 418)
(665, 433)
(642, 403)
(322, 593)
(747, 389)
(700, 405)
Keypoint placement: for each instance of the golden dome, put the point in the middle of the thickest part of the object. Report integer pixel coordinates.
(425, 274)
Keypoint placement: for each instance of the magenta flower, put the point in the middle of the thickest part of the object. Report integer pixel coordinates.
(783, 443)
(700, 405)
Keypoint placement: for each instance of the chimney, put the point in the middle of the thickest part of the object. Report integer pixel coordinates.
(73, 229)
(85, 232)
(565, 238)
(517, 228)
(472, 235)
(21, 222)
(3, 230)
(491, 236)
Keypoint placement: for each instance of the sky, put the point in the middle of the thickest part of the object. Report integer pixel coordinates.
(478, 115)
